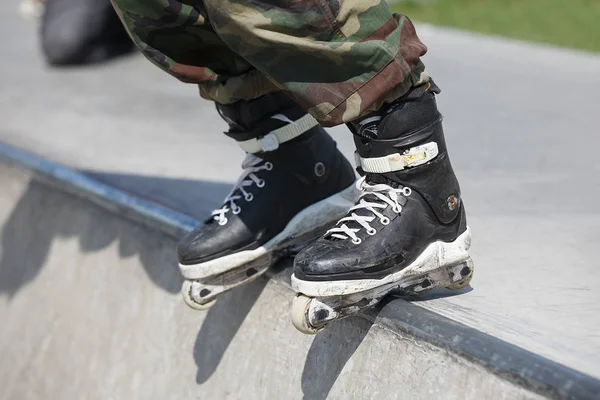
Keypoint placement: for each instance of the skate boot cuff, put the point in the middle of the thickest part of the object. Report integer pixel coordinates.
(410, 150)
(273, 139)
(263, 124)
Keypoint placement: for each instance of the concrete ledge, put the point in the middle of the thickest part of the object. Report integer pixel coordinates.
(512, 371)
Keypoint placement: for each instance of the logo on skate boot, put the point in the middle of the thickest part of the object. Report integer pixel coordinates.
(370, 131)
(369, 127)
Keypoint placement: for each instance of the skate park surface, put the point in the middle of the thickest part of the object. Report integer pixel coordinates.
(88, 299)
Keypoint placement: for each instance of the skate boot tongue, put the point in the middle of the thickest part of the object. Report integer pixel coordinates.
(381, 179)
(251, 160)
(374, 180)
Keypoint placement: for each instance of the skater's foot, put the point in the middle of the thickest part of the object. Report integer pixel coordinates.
(271, 207)
(391, 232)
(407, 232)
(295, 187)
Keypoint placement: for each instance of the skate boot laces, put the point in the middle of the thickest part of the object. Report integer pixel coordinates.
(251, 165)
(372, 198)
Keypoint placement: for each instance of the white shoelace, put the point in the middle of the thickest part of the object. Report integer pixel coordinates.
(248, 178)
(385, 195)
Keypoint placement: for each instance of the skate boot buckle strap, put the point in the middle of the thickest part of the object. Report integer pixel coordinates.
(412, 157)
(273, 139)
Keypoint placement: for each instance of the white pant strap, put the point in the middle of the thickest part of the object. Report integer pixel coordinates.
(273, 139)
(412, 157)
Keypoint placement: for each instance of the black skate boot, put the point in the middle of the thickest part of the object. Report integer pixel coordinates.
(295, 185)
(406, 234)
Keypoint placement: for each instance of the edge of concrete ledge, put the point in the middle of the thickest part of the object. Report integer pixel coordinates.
(150, 214)
(514, 364)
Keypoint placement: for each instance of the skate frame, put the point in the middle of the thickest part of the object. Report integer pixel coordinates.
(323, 310)
(203, 291)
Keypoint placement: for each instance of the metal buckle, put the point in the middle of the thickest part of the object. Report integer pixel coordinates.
(269, 142)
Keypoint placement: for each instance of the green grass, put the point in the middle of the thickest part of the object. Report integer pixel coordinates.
(567, 23)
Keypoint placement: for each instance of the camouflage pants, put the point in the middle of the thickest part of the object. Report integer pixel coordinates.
(338, 59)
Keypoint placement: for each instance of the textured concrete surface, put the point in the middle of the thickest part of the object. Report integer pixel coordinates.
(90, 310)
(521, 124)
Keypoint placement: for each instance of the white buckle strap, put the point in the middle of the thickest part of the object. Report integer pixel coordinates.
(412, 157)
(273, 139)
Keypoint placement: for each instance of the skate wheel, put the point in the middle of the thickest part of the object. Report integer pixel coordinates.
(300, 307)
(465, 282)
(189, 300)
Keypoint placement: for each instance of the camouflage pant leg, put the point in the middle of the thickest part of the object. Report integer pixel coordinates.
(178, 38)
(339, 59)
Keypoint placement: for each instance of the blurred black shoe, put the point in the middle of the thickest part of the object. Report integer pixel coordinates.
(75, 32)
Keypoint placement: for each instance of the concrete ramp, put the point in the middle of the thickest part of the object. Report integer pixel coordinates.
(90, 309)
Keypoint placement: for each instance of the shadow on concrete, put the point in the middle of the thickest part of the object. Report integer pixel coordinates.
(335, 345)
(225, 318)
(221, 324)
(330, 351)
(42, 214)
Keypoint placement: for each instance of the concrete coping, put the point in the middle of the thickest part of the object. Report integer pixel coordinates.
(512, 363)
